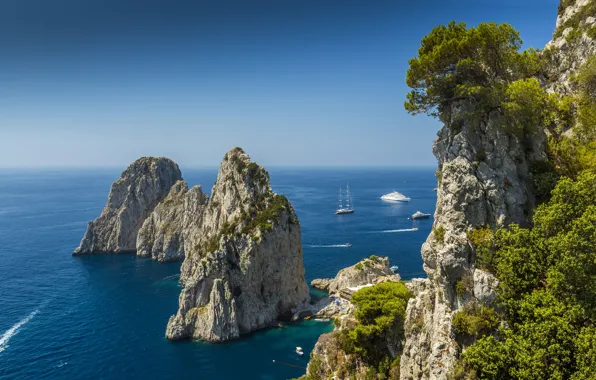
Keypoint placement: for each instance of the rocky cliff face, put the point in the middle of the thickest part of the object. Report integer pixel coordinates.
(243, 268)
(572, 43)
(131, 200)
(164, 232)
(484, 180)
(366, 271)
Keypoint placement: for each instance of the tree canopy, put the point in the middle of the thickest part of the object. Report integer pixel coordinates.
(472, 65)
(547, 291)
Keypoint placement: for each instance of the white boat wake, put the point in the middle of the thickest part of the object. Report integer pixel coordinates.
(329, 246)
(393, 231)
(14, 330)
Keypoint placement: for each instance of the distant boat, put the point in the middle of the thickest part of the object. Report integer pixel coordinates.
(347, 245)
(435, 189)
(348, 208)
(395, 196)
(299, 351)
(420, 215)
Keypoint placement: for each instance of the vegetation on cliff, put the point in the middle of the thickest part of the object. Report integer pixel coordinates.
(543, 323)
(380, 311)
(547, 291)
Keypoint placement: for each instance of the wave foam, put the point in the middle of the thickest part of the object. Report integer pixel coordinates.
(14, 330)
(401, 230)
(329, 246)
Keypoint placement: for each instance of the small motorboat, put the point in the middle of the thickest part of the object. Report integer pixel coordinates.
(394, 268)
(347, 245)
(420, 215)
(299, 351)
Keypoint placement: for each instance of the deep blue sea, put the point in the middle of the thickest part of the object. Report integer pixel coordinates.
(104, 317)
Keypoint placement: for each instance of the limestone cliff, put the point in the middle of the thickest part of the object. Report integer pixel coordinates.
(484, 180)
(131, 200)
(163, 234)
(243, 268)
(573, 42)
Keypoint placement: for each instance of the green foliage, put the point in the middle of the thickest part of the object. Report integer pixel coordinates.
(573, 22)
(592, 32)
(380, 311)
(564, 4)
(439, 233)
(467, 65)
(464, 285)
(265, 219)
(545, 178)
(573, 36)
(359, 266)
(460, 288)
(315, 368)
(547, 291)
(572, 153)
(475, 321)
(525, 106)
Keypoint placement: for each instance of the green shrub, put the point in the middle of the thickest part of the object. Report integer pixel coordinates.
(359, 266)
(573, 36)
(380, 309)
(439, 233)
(547, 287)
(545, 178)
(573, 21)
(475, 321)
(482, 241)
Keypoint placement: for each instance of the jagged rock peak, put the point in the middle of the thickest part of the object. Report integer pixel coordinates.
(244, 267)
(131, 200)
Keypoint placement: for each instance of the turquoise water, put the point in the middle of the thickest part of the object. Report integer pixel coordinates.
(104, 316)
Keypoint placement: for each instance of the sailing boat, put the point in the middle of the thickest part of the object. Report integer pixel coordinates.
(348, 208)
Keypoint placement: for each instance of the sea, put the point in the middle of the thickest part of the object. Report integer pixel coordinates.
(104, 316)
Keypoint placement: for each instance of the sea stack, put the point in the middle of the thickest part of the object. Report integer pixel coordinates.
(243, 269)
(163, 233)
(132, 198)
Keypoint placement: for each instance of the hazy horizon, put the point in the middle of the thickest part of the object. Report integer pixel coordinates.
(294, 83)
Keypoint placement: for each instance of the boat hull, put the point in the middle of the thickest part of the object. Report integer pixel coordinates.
(393, 200)
(341, 212)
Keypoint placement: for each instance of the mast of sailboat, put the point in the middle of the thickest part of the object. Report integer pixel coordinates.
(340, 207)
(348, 198)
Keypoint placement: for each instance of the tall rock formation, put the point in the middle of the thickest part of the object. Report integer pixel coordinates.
(243, 268)
(573, 42)
(484, 180)
(163, 233)
(131, 200)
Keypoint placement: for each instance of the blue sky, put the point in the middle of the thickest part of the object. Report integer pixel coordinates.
(309, 83)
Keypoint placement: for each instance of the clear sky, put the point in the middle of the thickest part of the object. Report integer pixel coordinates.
(293, 82)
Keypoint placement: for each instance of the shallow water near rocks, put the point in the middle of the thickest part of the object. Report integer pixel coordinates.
(104, 316)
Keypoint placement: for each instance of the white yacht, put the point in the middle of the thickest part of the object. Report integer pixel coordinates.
(420, 215)
(299, 351)
(395, 196)
(348, 208)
